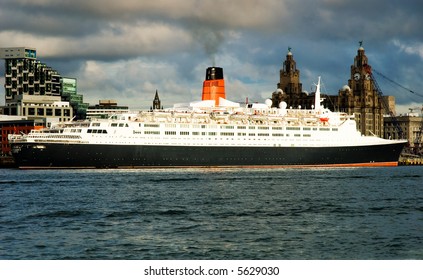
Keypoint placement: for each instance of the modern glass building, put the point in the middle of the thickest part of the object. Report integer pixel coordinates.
(36, 90)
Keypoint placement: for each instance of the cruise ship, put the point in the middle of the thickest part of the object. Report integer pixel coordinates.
(213, 132)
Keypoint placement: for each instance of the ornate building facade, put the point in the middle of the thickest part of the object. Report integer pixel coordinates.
(290, 89)
(361, 98)
(156, 102)
(358, 97)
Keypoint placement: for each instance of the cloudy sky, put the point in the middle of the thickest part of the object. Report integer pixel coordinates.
(125, 50)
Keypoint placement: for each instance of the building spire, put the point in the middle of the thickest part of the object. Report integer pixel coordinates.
(156, 101)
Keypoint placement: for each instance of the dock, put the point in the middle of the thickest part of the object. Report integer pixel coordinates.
(410, 161)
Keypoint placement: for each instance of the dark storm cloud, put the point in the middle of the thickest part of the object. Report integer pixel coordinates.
(248, 37)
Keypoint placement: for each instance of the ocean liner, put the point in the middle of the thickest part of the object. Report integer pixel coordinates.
(207, 133)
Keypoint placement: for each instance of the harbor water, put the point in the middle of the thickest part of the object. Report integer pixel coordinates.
(212, 213)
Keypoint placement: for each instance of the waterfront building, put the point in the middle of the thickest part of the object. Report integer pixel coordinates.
(70, 94)
(31, 87)
(358, 97)
(410, 124)
(290, 90)
(361, 98)
(105, 108)
(14, 125)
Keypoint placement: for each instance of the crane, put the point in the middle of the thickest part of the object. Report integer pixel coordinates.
(368, 70)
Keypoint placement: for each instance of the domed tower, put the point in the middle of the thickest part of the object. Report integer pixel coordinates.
(290, 76)
(360, 98)
(289, 88)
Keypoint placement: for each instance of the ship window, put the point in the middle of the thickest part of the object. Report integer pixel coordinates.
(96, 124)
(263, 127)
(114, 125)
(292, 128)
(306, 135)
(297, 135)
(170, 132)
(184, 133)
(151, 125)
(121, 125)
(242, 127)
(277, 128)
(277, 134)
(227, 127)
(212, 133)
(89, 130)
(152, 132)
(324, 129)
(104, 131)
(263, 134)
(306, 128)
(334, 129)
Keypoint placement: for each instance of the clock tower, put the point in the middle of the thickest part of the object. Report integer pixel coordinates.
(360, 97)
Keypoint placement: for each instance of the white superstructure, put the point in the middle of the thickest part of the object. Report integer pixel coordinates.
(205, 124)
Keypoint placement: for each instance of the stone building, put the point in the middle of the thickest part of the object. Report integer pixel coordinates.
(156, 102)
(290, 90)
(410, 125)
(358, 97)
(361, 98)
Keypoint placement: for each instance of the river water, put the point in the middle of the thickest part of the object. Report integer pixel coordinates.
(212, 213)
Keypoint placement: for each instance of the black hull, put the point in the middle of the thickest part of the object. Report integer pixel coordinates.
(131, 156)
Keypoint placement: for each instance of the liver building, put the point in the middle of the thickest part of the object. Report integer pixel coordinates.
(358, 97)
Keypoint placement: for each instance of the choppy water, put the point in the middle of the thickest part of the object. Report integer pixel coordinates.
(358, 213)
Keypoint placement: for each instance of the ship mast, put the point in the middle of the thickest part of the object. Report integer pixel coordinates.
(317, 97)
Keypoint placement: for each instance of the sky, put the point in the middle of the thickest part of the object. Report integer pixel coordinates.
(126, 50)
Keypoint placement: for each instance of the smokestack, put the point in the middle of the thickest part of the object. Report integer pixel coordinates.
(214, 85)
